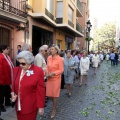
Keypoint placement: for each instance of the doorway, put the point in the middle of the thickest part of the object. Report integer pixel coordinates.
(40, 37)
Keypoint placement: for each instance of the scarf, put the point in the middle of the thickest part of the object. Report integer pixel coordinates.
(10, 64)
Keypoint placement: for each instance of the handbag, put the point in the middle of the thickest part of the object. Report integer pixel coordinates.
(13, 103)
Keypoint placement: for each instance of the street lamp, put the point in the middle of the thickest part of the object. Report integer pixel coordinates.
(89, 26)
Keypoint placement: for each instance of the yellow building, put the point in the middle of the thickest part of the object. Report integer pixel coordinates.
(53, 21)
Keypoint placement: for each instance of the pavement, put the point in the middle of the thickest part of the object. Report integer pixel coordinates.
(100, 100)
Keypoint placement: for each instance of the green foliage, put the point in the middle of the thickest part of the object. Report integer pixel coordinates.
(88, 38)
(105, 36)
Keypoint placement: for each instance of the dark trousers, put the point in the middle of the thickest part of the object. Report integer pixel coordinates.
(5, 91)
(62, 81)
(116, 61)
(112, 62)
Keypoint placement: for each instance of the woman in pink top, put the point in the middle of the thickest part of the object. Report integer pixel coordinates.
(54, 70)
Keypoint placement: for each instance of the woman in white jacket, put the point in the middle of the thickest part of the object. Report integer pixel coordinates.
(96, 62)
(84, 67)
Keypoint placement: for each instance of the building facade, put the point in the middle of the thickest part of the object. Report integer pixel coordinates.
(13, 18)
(53, 23)
(81, 43)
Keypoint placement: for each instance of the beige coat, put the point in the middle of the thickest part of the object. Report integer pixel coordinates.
(40, 61)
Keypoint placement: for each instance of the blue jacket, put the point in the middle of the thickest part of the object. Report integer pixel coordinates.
(67, 64)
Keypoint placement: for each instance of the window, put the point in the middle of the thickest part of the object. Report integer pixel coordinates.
(59, 43)
(4, 36)
(49, 5)
(59, 13)
(70, 14)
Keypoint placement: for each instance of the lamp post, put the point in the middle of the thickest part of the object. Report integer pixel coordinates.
(89, 26)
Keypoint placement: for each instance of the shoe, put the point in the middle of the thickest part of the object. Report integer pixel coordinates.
(66, 93)
(53, 115)
(69, 95)
(85, 84)
(80, 85)
(1, 119)
(3, 109)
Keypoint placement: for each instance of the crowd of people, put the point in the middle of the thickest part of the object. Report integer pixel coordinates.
(38, 78)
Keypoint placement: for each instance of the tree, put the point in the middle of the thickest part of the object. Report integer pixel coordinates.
(105, 37)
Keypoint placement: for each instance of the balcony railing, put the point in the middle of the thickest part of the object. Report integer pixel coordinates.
(78, 27)
(9, 8)
(70, 23)
(49, 14)
(79, 5)
(59, 20)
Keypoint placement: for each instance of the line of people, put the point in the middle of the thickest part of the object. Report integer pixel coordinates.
(41, 75)
(28, 86)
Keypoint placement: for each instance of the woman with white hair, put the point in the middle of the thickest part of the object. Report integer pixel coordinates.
(27, 47)
(55, 67)
(28, 90)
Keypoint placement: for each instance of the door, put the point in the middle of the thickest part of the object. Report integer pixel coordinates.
(4, 36)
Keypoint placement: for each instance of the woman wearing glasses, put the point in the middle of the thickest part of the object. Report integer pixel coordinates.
(6, 76)
(55, 67)
(28, 90)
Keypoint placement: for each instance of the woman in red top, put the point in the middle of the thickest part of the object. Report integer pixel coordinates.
(6, 76)
(28, 89)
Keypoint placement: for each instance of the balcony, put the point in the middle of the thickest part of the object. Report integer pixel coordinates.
(49, 14)
(70, 23)
(79, 8)
(78, 27)
(59, 20)
(5, 6)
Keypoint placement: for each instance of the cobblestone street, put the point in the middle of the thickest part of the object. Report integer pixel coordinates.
(100, 100)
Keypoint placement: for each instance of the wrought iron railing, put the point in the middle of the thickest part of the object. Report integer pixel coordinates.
(70, 23)
(79, 5)
(49, 14)
(78, 27)
(7, 7)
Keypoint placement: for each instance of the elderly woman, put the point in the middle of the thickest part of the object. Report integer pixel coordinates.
(6, 76)
(84, 67)
(54, 70)
(69, 72)
(96, 61)
(27, 47)
(28, 90)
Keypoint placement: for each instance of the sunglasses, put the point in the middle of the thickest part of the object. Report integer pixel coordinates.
(23, 64)
(46, 50)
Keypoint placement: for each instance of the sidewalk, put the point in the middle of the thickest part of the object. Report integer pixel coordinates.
(100, 100)
(9, 114)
